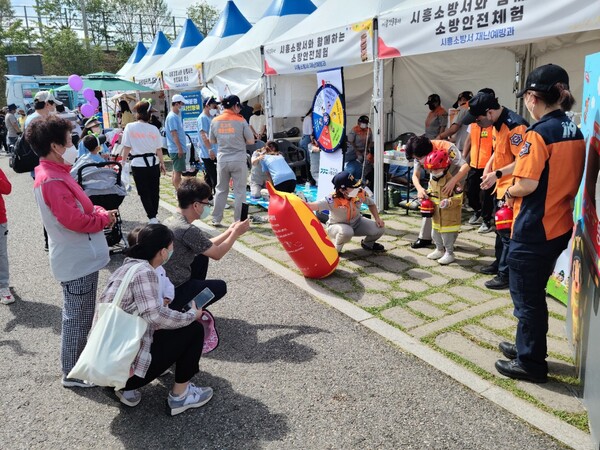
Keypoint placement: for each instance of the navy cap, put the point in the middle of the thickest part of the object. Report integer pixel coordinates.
(344, 180)
(543, 78)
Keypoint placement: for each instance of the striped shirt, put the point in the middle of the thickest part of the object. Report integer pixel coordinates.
(142, 296)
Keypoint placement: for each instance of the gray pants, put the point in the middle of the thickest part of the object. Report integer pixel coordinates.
(444, 241)
(315, 164)
(79, 303)
(238, 172)
(3, 256)
(340, 233)
(425, 232)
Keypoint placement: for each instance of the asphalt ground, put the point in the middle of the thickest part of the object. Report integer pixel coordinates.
(290, 372)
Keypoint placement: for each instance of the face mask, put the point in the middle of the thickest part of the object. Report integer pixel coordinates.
(437, 174)
(168, 257)
(353, 192)
(214, 112)
(431, 106)
(206, 212)
(363, 125)
(70, 155)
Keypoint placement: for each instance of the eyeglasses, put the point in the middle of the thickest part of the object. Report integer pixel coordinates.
(202, 203)
(51, 102)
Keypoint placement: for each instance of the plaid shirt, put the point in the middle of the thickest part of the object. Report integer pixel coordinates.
(142, 296)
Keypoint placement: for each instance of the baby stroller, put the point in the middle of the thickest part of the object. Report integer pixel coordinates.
(101, 181)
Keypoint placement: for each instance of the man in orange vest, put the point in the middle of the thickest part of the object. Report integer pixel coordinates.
(478, 151)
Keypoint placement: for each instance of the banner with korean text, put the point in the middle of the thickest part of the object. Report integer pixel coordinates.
(153, 82)
(450, 25)
(183, 77)
(189, 115)
(346, 46)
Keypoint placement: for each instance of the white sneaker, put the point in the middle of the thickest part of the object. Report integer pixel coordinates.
(129, 398)
(485, 228)
(6, 297)
(475, 219)
(265, 194)
(227, 206)
(194, 397)
(447, 258)
(339, 248)
(153, 220)
(436, 254)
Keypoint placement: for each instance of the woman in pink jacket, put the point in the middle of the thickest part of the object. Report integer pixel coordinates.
(77, 246)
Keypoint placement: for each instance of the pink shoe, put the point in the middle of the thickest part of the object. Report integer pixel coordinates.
(211, 337)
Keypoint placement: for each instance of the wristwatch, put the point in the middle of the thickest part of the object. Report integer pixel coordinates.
(498, 174)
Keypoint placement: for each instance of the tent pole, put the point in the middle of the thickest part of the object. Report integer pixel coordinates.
(268, 97)
(377, 121)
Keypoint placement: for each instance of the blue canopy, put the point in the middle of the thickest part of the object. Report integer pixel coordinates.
(289, 7)
(231, 22)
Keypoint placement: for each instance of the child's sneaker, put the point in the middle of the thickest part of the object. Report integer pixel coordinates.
(193, 397)
(447, 258)
(436, 254)
(76, 382)
(130, 398)
(6, 297)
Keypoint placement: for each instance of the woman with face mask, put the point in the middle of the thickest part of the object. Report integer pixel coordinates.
(193, 248)
(360, 141)
(77, 246)
(345, 219)
(172, 337)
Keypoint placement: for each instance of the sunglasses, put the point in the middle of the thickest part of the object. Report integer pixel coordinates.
(51, 102)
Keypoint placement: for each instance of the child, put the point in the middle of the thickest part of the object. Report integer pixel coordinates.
(257, 176)
(277, 169)
(448, 207)
(6, 297)
(166, 290)
(94, 144)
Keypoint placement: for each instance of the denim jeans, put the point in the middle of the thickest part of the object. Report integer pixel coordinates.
(530, 266)
(501, 252)
(3, 255)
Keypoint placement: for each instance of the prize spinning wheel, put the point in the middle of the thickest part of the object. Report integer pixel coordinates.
(329, 119)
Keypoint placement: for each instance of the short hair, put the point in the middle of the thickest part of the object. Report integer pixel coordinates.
(42, 132)
(91, 142)
(418, 146)
(192, 190)
(272, 147)
(150, 240)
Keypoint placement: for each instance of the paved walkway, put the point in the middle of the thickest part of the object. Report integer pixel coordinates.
(447, 308)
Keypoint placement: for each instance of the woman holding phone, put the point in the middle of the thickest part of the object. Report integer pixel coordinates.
(172, 337)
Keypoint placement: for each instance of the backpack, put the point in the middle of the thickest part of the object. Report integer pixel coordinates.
(24, 158)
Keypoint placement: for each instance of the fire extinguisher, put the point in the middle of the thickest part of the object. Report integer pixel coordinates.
(427, 207)
(504, 218)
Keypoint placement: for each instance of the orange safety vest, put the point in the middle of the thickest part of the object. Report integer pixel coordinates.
(481, 146)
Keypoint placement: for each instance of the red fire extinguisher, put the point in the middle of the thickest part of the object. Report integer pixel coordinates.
(504, 218)
(427, 207)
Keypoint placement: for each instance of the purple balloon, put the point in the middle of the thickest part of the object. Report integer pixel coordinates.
(94, 102)
(89, 94)
(75, 82)
(88, 110)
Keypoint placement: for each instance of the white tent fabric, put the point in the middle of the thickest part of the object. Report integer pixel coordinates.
(238, 70)
(189, 37)
(160, 46)
(136, 56)
(230, 26)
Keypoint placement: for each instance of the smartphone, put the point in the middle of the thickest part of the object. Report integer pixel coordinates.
(244, 215)
(205, 296)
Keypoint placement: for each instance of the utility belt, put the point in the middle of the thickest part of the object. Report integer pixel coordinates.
(145, 156)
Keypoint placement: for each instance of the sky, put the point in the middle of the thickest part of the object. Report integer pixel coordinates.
(251, 9)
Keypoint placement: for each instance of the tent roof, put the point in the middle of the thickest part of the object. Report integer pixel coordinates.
(160, 46)
(231, 22)
(189, 37)
(286, 8)
(136, 56)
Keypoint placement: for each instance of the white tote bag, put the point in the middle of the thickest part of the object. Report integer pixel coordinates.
(113, 343)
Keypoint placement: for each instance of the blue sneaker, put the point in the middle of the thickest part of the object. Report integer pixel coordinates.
(193, 397)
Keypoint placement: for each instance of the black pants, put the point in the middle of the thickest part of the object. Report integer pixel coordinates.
(197, 282)
(210, 165)
(147, 183)
(286, 186)
(182, 347)
(482, 201)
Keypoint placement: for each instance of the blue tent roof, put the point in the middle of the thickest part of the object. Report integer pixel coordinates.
(160, 45)
(289, 7)
(189, 36)
(138, 53)
(231, 22)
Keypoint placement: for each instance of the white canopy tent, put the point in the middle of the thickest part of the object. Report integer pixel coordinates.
(230, 26)
(136, 56)
(239, 69)
(189, 37)
(160, 46)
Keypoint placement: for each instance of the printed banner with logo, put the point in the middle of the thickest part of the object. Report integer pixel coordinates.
(450, 25)
(345, 46)
(190, 113)
(182, 78)
(152, 82)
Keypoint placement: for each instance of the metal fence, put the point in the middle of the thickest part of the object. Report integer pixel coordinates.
(103, 29)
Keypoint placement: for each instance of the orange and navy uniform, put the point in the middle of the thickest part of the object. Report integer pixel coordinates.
(554, 155)
(230, 131)
(508, 137)
(481, 146)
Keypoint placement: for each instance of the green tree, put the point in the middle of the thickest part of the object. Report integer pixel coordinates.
(65, 53)
(203, 15)
(13, 41)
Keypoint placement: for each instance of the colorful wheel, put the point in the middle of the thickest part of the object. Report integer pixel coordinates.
(329, 118)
